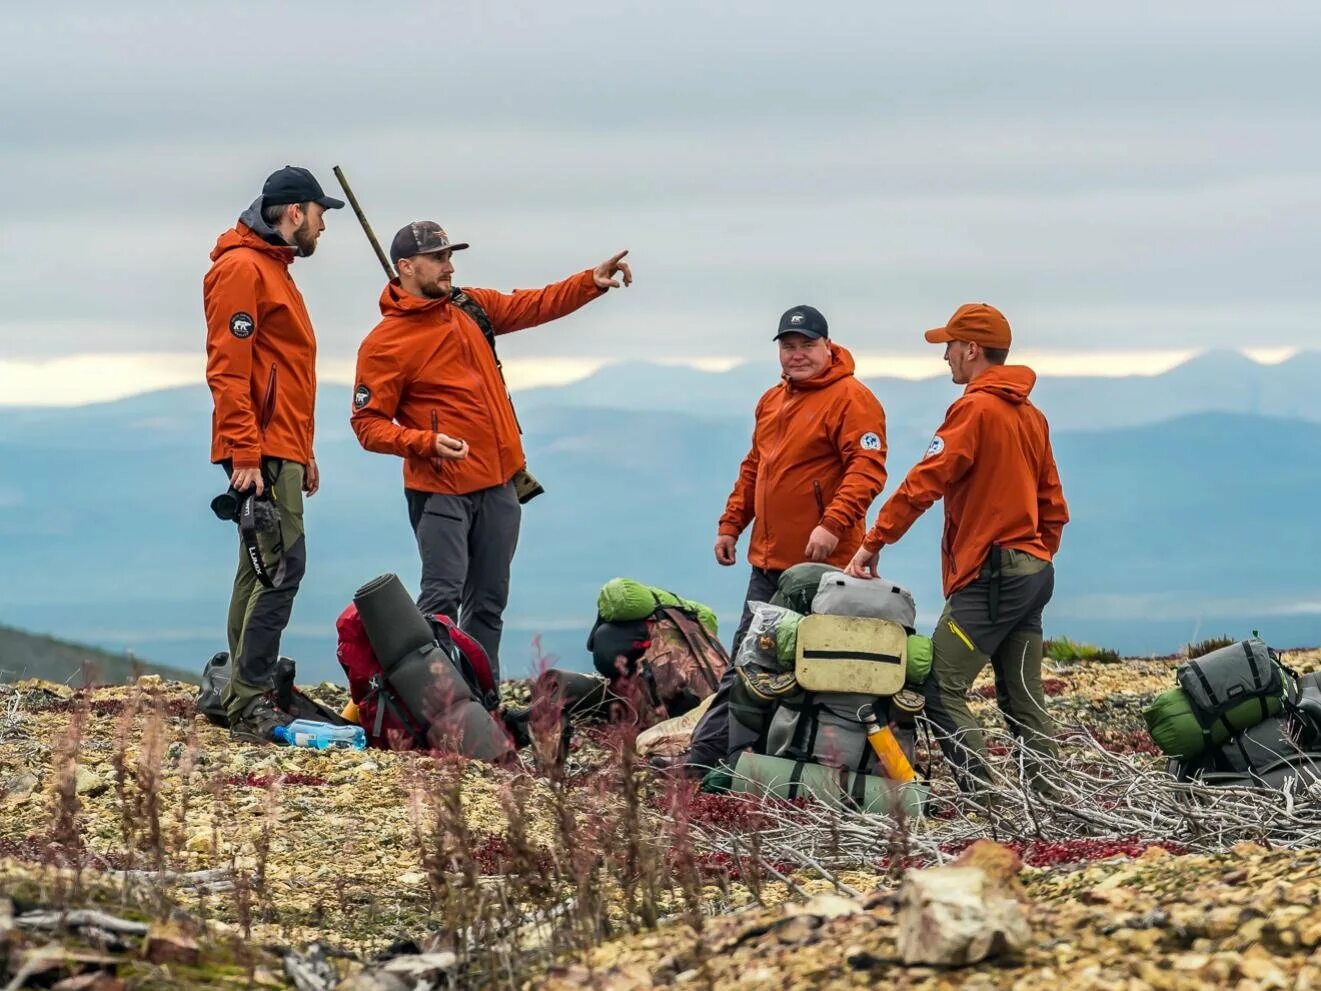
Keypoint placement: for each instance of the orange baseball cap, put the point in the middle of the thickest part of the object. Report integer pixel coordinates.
(974, 323)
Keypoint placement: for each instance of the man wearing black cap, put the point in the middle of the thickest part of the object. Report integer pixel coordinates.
(261, 367)
(816, 464)
(429, 390)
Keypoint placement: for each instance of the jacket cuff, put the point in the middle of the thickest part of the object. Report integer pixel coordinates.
(246, 459)
(833, 526)
(872, 544)
(420, 442)
(728, 530)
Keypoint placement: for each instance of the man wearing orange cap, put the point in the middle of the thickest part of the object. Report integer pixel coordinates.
(992, 463)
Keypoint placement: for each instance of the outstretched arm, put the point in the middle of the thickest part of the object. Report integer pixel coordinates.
(948, 458)
(525, 308)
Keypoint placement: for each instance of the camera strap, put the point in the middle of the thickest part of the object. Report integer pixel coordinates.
(247, 521)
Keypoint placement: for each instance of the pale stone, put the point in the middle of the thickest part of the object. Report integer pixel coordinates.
(951, 916)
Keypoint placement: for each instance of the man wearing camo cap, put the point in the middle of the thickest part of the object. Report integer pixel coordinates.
(429, 389)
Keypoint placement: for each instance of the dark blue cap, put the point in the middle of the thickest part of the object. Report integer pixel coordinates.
(292, 184)
(805, 320)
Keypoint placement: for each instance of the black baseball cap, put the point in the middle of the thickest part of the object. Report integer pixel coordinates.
(292, 184)
(805, 320)
(421, 237)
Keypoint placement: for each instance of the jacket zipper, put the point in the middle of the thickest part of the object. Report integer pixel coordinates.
(436, 462)
(820, 502)
(486, 388)
(268, 401)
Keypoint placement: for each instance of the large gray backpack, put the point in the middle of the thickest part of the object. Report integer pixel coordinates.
(824, 728)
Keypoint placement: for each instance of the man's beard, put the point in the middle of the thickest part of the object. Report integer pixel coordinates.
(305, 238)
(435, 291)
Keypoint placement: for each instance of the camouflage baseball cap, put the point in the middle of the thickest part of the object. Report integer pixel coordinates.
(421, 237)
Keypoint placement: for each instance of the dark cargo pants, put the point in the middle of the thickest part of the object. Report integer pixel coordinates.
(716, 735)
(966, 639)
(467, 545)
(257, 614)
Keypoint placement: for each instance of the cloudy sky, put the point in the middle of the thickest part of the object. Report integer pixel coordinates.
(1129, 181)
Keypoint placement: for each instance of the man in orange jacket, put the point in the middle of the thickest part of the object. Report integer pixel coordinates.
(992, 463)
(816, 463)
(429, 389)
(261, 367)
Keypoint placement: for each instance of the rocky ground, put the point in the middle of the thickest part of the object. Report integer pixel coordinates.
(217, 865)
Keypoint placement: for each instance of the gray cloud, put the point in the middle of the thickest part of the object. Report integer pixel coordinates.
(1128, 175)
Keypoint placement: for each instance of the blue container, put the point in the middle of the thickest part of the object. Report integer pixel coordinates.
(321, 736)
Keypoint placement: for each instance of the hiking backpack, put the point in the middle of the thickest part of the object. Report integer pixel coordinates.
(1268, 753)
(677, 660)
(216, 674)
(388, 718)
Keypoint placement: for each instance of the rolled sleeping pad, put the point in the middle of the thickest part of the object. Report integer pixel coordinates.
(778, 777)
(394, 624)
(423, 676)
(429, 684)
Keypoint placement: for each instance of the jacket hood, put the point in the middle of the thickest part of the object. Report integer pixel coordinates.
(1012, 383)
(395, 302)
(253, 232)
(841, 366)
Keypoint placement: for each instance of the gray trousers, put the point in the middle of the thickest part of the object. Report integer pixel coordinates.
(717, 736)
(467, 545)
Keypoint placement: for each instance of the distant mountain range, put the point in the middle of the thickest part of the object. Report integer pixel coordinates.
(27, 655)
(1192, 495)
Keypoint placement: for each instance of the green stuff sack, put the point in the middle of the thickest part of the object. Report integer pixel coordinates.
(1175, 729)
(623, 600)
(919, 659)
(778, 777)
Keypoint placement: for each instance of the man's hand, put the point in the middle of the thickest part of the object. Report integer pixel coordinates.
(604, 274)
(450, 448)
(312, 478)
(245, 478)
(725, 550)
(863, 564)
(821, 544)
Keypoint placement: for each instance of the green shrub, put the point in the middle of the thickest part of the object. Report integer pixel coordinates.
(1063, 650)
(1199, 647)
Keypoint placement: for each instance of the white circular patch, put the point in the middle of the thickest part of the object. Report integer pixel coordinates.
(241, 325)
(361, 397)
(935, 447)
(870, 442)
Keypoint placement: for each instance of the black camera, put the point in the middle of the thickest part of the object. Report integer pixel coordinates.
(231, 504)
(226, 506)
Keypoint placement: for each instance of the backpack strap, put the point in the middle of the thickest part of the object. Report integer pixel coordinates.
(482, 319)
(795, 778)
(857, 792)
(803, 743)
(384, 699)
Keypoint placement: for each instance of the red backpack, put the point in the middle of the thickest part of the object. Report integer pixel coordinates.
(387, 721)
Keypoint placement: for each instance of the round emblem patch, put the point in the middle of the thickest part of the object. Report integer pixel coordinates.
(935, 447)
(241, 325)
(361, 397)
(870, 441)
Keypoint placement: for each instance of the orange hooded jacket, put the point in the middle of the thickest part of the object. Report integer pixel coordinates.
(817, 458)
(992, 463)
(426, 368)
(260, 351)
